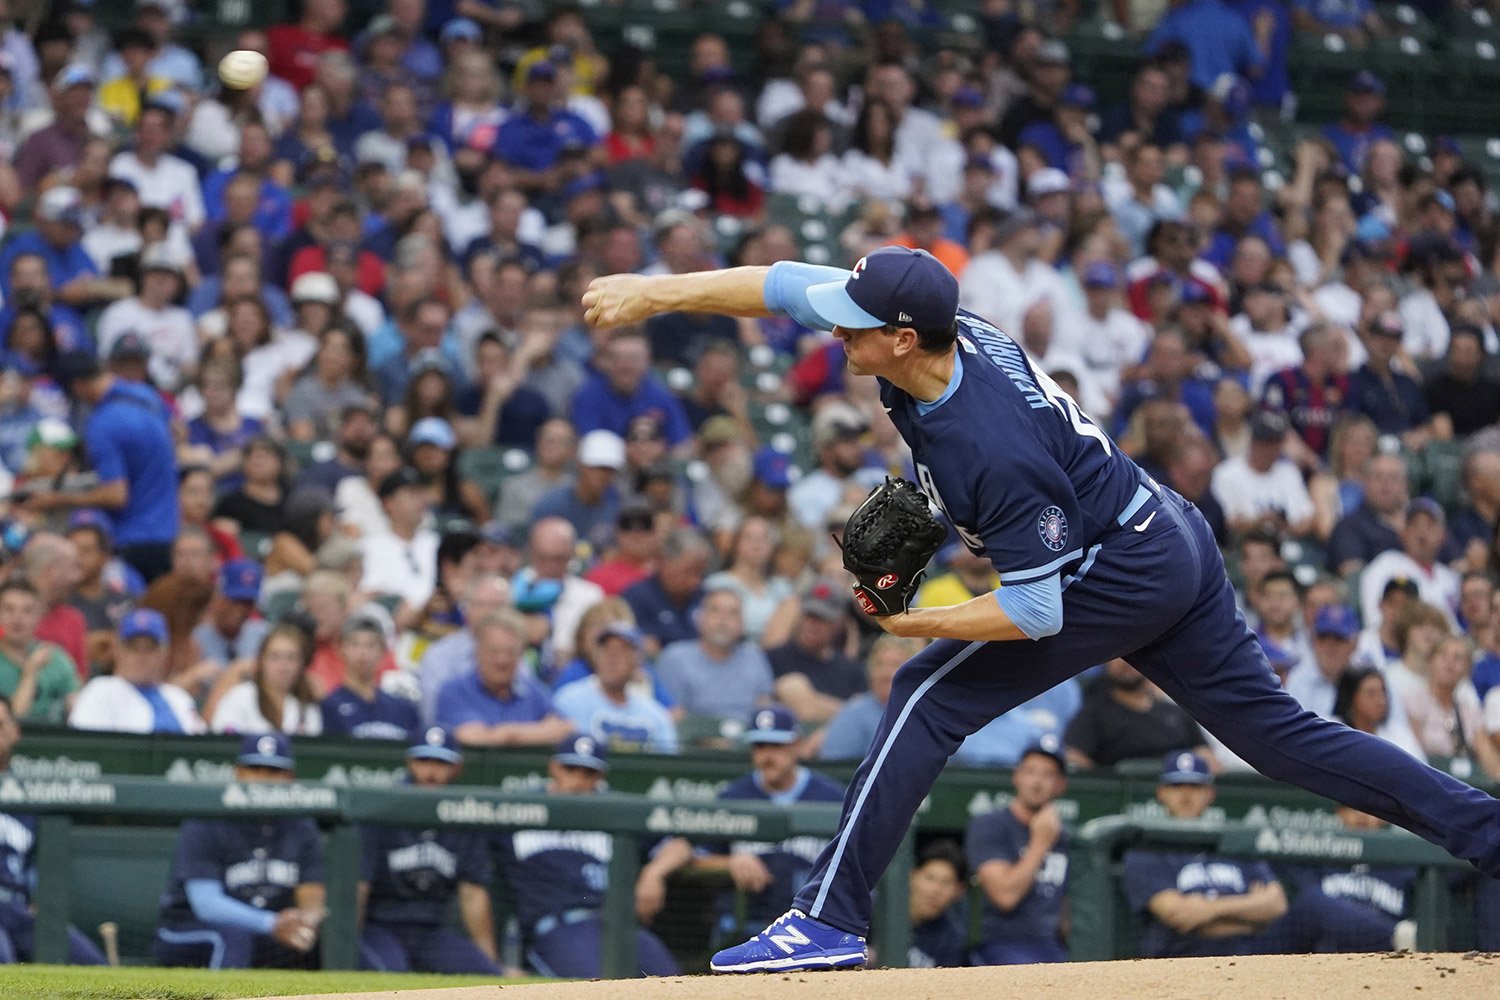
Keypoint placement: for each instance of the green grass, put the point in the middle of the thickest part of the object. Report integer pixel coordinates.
(67, 982)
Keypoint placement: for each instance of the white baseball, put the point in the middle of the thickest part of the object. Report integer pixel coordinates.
(243, 69)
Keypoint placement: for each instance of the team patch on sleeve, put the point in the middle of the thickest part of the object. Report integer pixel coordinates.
(1053, 527)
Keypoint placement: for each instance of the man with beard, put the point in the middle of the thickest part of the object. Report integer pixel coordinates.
(409, 879)
(356, 431)
(1125, 717)
(837, 436)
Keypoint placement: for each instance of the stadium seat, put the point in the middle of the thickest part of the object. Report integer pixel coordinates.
(487, 467)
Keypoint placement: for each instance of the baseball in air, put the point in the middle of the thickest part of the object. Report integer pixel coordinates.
(243, 69)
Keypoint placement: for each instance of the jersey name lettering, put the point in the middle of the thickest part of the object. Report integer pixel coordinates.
(1007, 356)
(1211, 879)
(262, 871)
(427, 855)
(15, 834)
(530, 842)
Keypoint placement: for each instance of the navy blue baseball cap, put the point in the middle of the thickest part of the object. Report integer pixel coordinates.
(582, 750)
(1336, 620)
(1048, 745)
(772, 468)
(144, 622)
(92, 518)
(1365, 82)
(893, 286)
(266, 750)
(1185, 768)
(436, 743)
(1101, 274)
(239, 580)
(773, 724)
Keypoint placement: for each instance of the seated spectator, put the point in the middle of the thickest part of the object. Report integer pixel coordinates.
(935, 907)
(1445, 712)
(217, 437)
(1215, 36)
(37, 679)
(357, 497)
(556, 446)
(613, 706)
(851, 732)
(591, 501)
(720, 674)
(403, 562)
(229, 630)
(1278, 606)
(258, 504)
(410, 879)
(334, 387)
(747, 572)
(102, 594)
(1363, 702)
(1462, 398)
(664, 603)
(1473, 528)
(1125, 717)
(50, 563)
(1002, 741)
(1197, 904)
(968, 576)
(625, 389)
(134, 698)
(1375, 525)
(272, 693)
(554, 880)
(1314, 682)
(814, 676)
(637, 544)
(18, 876)
(183, 594)
(1020, 860)
(1383, 391)
(1364, 99)
(1267, 329)
(358, 707)
(548, 589)
(453, 654)
(245, 893)
(1422, 538)
(1190, 468)
(1312, 395)
(768, 873)
(1263, 488)
(494, 704)
(173, 345)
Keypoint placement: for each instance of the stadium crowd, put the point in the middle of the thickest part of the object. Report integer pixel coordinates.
(302, 431)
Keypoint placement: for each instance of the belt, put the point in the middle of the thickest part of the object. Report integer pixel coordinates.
(567, 918)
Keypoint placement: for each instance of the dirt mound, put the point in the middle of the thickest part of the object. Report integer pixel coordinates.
(1275, 977)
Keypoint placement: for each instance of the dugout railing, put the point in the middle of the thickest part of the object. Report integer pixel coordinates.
(1103, 928)
(69, 811)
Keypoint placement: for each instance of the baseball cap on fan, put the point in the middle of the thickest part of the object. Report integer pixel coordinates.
(893, 286)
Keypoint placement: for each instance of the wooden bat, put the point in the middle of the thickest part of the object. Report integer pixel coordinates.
(109, 933)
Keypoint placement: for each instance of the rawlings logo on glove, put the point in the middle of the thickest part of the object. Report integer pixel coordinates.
(888, 542)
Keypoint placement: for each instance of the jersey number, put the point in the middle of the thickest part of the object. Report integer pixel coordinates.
(924, 480)
(1069, 409)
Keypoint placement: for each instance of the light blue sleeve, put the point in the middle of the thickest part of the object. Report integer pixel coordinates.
(786, 290)
(1035, 606)
(212, 905)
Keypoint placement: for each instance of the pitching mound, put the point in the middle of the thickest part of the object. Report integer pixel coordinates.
(1277, 977)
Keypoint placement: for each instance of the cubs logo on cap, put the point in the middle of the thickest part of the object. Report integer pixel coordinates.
(436, 743)
(144, 623)
(773, 724)
(1048, 745)
(272, 750)
(894, 286)
(239, 580)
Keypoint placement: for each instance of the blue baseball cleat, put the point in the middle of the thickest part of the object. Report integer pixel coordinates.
(793, 942)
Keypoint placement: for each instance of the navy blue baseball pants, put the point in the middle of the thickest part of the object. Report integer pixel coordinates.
(214, 946)
(1158, 597)
(18, 939)
(422, 948)
(576, 951)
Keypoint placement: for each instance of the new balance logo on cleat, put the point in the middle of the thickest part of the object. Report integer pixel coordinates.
(794, 941)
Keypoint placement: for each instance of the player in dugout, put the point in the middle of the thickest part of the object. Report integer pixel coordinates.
(1096, 560)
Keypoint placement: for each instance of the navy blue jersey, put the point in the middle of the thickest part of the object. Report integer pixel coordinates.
(1150, 872)
(1387, 891)
(386, 718)
(414, 874)
(259, 863)
(553, 871)
(1027, 480)
(1000, 836)
(17, 876)
(790, 861)
(940, 943)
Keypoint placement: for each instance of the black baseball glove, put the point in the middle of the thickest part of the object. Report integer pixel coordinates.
(888, 542)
